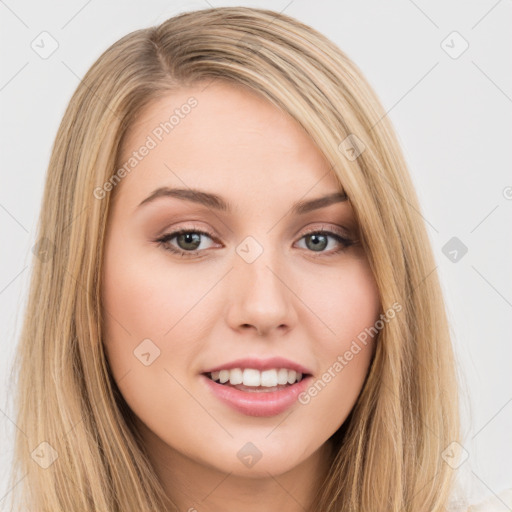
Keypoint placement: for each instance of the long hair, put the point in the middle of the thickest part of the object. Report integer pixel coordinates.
(76, 445)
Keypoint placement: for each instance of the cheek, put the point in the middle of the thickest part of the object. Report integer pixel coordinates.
(346, 299)
(354, 312)
(143, 292)
(148, 318)
(146, 298)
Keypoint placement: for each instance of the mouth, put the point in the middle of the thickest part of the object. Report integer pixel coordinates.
(257, 393)
(252, 380)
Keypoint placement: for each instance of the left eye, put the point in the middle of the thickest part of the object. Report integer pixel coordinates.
(189, 241)
(319, 240)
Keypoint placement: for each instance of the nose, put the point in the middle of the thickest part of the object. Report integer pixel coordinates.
(262, 297)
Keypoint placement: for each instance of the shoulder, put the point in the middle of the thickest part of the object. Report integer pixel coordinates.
(496, 503)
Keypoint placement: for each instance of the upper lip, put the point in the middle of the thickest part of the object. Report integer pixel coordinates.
(261, 364)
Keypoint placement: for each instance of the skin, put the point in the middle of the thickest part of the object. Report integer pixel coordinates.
(292, 301)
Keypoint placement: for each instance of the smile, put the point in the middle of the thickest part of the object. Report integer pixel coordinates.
(252, 378)
(254, 393)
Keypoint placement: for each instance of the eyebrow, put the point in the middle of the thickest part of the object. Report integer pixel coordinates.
(211, 200)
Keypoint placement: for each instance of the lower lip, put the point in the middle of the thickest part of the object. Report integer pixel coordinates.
(257, 403)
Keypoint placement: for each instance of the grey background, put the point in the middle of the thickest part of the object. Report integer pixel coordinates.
(453, 118)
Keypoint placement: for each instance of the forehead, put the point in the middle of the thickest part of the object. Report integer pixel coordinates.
(225, 136)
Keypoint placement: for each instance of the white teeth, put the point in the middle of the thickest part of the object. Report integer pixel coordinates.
(269, 378)
(255, 378)
(282, 376)
(251, 377)
(292, 374)
(235, 376)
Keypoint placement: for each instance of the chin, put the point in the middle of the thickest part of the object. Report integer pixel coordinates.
(258, 459)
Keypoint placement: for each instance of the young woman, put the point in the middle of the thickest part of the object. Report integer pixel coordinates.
(234, 305)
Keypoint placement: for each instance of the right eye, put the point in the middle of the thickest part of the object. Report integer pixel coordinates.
(188, 239)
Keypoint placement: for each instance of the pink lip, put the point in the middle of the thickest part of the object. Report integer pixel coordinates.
(264, 403)
(261, 364)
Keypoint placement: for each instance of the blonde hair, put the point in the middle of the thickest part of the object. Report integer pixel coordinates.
(388, 453)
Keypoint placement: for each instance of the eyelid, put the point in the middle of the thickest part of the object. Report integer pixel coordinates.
(187, 227)
(344, 233)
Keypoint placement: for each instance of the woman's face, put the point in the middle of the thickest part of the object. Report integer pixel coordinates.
(253, 288)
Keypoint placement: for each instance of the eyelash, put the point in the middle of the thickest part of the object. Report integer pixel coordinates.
(163, 242)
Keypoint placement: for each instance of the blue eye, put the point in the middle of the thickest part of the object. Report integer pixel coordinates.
(189, 240)
(319, 240)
